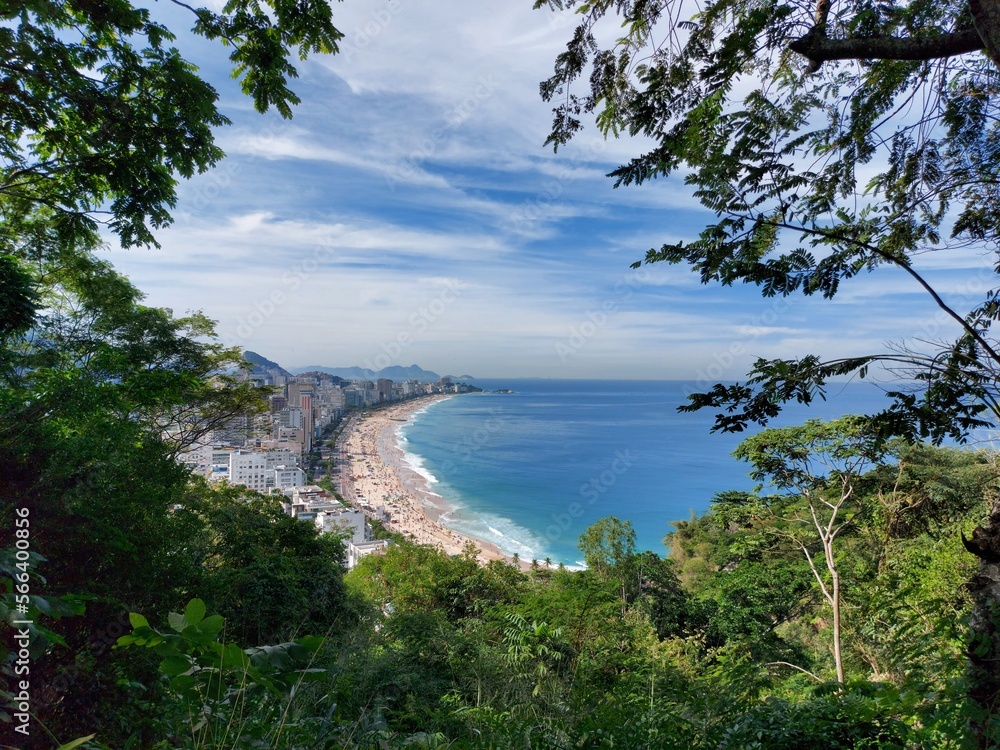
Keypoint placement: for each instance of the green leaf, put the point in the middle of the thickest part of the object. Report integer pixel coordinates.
(77, 742)
(177, 622)
(210, 627)
(183, 683)
(234, 658)
(137, 620)
(195, 611)
(311, 642)
(308, 675)
(175, 665)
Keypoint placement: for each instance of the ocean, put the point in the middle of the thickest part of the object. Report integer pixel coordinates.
(530, 470)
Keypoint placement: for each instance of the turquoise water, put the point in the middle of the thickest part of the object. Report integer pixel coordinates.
(530, 471)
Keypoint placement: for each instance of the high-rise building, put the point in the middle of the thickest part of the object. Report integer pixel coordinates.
(384, 388)
(307, 421)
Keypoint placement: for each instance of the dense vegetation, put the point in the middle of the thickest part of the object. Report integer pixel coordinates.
(168, 613)
(725, 643)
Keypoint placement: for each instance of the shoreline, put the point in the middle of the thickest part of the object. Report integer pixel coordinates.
(375, 477)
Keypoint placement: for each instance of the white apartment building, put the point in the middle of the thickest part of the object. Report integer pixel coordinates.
(349, 521)
(291, 417)
(257, 470)
(357, 551)
(288, 476)
(210, 460)
(311, 503)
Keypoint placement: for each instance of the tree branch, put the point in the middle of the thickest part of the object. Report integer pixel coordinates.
(793, 666)
(822, 13)
(819, 48)
(966, 326)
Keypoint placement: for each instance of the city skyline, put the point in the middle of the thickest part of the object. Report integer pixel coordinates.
(409, 213)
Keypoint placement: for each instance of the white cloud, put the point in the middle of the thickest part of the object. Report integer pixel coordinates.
(415, 165)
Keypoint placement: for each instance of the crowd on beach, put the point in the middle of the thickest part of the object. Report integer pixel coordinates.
(375, 477)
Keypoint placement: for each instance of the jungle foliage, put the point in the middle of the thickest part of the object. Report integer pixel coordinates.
(725, 643)
(171, 614)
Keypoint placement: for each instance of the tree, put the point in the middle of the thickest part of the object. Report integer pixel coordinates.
(607, 544)
(820, 463)
(101, 114)
(271, 576)
(85, 395)
(771, 110)
(826, 140)
(608, 548)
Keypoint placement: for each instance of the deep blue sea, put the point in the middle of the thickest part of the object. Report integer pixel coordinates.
(529, 471)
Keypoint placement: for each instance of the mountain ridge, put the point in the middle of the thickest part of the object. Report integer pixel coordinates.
(396, 373)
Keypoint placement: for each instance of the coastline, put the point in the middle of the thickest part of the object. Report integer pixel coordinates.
(375, 476)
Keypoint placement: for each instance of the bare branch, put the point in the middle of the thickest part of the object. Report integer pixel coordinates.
(793, 666)
(906, 267)
(818, 48)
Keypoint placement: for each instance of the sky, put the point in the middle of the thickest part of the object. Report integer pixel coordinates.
(410, 214)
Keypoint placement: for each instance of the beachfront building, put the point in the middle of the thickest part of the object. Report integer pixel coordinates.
(356, 552)
(354, 397)
(312, 503)
(384, 388)
(306, 502)
(308, 494)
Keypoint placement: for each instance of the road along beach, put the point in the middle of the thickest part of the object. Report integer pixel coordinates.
(375, 476)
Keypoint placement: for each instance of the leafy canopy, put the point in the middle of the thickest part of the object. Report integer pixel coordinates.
(101, 114)
(826, 141)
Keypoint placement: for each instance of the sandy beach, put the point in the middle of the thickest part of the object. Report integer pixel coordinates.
(374, 476)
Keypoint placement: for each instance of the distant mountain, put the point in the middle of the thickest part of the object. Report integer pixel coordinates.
(262, 365)
(395, 373)
(460, 378)
(335, 379)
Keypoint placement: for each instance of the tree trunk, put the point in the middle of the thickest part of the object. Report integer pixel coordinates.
(986, 20)
(984, 637)
(838, 653)
(817, 47)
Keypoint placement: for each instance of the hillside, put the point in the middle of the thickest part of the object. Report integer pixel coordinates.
(395, 373)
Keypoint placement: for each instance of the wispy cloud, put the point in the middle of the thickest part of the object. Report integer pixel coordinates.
(411, 198)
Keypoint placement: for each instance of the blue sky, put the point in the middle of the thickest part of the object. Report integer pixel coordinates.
(409, 213)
